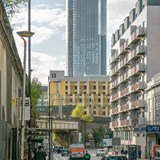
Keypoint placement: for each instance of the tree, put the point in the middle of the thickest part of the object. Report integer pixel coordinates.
(98, 134)
(35, 94)
(79, 112)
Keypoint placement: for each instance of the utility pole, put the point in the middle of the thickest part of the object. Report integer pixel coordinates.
(29, 78)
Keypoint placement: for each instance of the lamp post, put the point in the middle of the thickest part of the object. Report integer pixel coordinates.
(23, 34)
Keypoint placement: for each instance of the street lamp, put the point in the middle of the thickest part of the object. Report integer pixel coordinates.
(23, 34)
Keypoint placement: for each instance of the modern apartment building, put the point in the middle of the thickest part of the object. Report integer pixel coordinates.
(86, 38)
(134, 61)
(92, 92)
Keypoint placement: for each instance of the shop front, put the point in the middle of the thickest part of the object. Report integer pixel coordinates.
(152, 134)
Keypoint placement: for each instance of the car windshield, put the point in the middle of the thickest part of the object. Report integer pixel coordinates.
(115, 158)
(65, 150)
(100, 150)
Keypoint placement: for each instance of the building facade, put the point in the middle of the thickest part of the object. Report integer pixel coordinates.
(86, 37)
(134, 61)
(10, 91)
(91, 92)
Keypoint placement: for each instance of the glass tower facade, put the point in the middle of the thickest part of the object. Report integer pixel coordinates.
(86, 37)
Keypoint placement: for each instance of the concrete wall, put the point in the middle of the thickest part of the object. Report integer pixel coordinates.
(10, 86)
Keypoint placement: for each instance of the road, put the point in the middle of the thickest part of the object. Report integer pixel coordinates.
(91, 151)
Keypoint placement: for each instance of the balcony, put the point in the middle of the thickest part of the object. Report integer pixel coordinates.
(123, 77)
(136, 69)
(124, 107)
(114, 83)
(124, 92)
(114, 57)
(123, 62)
(139, 103)
(126, 122)
(137, 34)
(114, 70)
(137, 52)
(114, 97)
(115, 110)
(137, 86)
(115, 124)
(124, 47)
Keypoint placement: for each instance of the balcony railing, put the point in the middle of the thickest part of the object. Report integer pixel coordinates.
(124, 107)
(114, 70)
(115, 110)
(137, 34)
(114, 97)
(124, 92)
(126, 122)
(138, 68)
(114, 83)
(115, 124)
(114, 56)
(124, 47)
(136, 52)
(137, 86)
(137, 103)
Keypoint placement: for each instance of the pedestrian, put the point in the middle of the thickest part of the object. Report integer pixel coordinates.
(139, 153)
(87, 156)
(40, 154)
(122, 151)
(125, 152)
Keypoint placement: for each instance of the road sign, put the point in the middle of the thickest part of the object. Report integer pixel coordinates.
(27, 107)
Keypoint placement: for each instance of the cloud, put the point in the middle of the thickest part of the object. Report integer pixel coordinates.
(43, 63)
(46, 22)
(117, 11)
(42, 34)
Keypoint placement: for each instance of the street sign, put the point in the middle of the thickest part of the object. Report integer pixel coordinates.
(107, 142)
(26, 113)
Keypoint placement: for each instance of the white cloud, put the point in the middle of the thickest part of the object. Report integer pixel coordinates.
(46, 22)
(117, 11)
(42, 34)
(43, 63)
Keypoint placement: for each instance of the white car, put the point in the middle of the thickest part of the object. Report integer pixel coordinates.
(100, 152)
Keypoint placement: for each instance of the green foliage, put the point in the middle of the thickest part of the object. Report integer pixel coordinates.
(35, 93)
(79, 112)
(87, 118)
(98, 134)
(13, 3)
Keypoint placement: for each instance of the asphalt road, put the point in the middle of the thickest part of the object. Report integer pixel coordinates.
(91, 151)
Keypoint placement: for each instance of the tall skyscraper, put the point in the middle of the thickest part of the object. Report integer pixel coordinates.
(86, 37)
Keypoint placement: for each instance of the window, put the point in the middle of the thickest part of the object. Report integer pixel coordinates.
(156, 101)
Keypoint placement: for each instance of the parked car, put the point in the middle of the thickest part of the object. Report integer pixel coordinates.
(55, 148)
(114, 157)
(65, 152)
(59, 150)
(100, 152)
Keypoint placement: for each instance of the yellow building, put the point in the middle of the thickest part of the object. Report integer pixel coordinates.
(92, 92)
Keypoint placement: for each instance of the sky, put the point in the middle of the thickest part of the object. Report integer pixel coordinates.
(48, 21)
